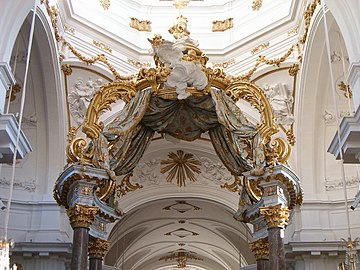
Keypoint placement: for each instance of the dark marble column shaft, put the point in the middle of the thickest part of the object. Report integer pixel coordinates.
(80, 249)
(262, 264)
(95, 264)
(276, 249)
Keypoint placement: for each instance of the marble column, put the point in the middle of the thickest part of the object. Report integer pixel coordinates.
(81, 217)
(97, 249)
(260, 248)
(276, 218)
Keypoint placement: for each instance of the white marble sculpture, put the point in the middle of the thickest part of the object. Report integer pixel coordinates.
(184, 73)
(280, 98)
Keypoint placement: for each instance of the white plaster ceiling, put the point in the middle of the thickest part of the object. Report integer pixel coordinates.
(251, 28)
(205, 228)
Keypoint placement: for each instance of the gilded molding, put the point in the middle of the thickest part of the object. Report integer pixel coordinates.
(275, 215)
(260, 248)
(102, 46)
(260, 48)
(256, 4)
(221, 26)
(97, 248)
(81, 216)
(144, 26)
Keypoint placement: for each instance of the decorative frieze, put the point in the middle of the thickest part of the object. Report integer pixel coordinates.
(26, 185)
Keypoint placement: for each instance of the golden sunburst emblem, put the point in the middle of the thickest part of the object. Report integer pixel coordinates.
(181, 166)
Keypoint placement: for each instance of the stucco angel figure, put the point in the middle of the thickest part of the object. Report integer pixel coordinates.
(80, 97)
(183, 73)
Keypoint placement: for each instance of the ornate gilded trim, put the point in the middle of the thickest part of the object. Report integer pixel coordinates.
(260, 248)
(234, 186)
(309, 12)
(139, 25)
(97, 248)
(221, 26)
(126, 186)
(81, 216)
(260, 47)
(105, 4)
(275, 216)
(102, 46)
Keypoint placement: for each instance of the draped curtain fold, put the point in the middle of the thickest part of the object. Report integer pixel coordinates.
(123, 142)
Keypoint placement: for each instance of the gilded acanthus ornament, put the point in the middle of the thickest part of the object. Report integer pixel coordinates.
(82, 216)
(256, 5)
(140, 25)
(275, 216)
(179, 28)
(221, 26)
(126, 186)
(97, 248)
(260, 248)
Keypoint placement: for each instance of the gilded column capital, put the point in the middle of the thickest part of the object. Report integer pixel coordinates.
(260, 248)
(275, 215)
(82, 216)
(97, 248)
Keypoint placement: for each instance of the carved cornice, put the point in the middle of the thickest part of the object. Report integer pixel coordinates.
(97, 248)
(275, 216)
(260, 248)
(81, 216)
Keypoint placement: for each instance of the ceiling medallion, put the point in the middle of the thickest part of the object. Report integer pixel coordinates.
(105, 4)
(181, 256)
(182, 207)
(181, 166)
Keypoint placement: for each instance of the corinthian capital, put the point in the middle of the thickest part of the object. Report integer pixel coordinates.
(275, 215)
(260, 248)
(82, 216)
(97, 248)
